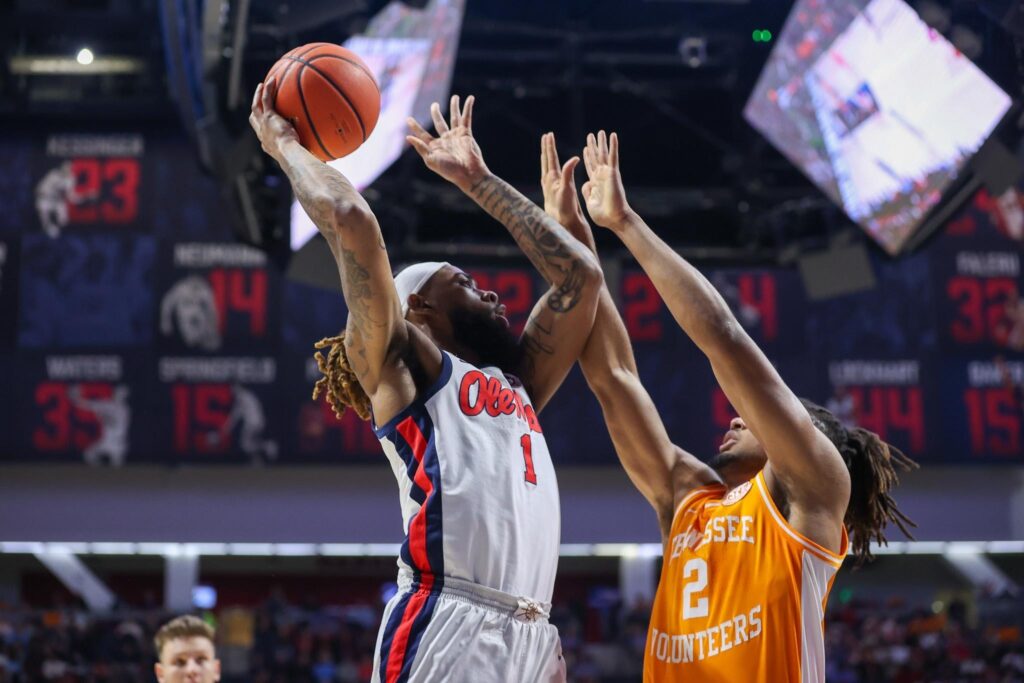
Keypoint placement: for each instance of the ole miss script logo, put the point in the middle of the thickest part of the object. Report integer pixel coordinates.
(480, 393)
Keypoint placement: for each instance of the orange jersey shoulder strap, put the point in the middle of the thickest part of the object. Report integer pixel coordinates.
(793, 536)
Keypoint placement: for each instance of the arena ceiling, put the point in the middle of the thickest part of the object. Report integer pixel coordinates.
(670, 76)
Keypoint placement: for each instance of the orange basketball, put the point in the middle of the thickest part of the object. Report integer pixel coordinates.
(329, 95)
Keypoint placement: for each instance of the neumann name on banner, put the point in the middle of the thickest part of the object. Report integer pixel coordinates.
(205, 255)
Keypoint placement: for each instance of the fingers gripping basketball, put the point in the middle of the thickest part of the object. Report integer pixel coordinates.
(329, 95)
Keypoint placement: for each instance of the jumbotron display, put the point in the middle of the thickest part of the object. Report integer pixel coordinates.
(411, 53)
(876, 107)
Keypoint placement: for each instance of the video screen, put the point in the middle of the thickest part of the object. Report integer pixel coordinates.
(878, 109)
(412, 54)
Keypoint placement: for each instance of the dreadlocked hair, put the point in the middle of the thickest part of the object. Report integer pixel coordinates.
(873, 466)
(339, 383)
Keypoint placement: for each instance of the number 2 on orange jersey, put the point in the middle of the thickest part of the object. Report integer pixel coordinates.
(698, 569)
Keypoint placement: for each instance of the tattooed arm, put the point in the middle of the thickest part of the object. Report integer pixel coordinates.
(663, 472)
(377, 338)
(561, 320)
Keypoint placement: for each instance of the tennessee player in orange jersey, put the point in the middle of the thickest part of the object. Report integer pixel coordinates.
(752, 539)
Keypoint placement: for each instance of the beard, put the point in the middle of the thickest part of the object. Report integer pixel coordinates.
(720, 461)
(737, 462)
(488, 337)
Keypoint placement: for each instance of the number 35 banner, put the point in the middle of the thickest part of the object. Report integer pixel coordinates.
(83, 407)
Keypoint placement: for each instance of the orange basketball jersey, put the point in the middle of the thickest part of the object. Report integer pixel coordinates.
(742, 594)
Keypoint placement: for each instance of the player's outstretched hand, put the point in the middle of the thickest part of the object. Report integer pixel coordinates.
(558, 182)
(271, 128)
(603, 192)
(453, 154)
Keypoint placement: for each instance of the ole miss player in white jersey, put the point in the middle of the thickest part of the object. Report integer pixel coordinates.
(454, 397)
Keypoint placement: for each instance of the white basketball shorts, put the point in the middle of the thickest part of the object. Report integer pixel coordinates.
(463, 632)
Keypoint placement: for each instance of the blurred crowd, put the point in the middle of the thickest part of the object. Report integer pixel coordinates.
(603, 641)
(889, 642)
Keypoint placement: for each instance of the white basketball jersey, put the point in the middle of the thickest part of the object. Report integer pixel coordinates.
(476, 483)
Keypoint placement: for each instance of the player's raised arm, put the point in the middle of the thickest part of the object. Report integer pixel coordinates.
(561, 321)
(663, 472)
(375, 327)
(807, 465)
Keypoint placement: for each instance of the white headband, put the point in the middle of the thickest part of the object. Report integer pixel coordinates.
(412, 278)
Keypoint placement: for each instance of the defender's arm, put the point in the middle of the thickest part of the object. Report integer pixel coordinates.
(663, 472)
(807, 465)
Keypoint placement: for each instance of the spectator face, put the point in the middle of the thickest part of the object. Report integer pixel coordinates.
(188, 660)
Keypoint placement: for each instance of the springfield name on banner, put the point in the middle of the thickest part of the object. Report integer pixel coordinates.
(218, 406)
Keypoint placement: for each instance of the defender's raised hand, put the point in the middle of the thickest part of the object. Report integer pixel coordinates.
(603, 192)
(559, 186)
(454, 154)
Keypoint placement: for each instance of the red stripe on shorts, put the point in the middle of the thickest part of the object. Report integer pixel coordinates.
(396, 658)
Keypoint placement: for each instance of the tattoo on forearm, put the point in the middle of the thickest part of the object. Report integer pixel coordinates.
(358, 293)
(312, 183)
(568, 293)
(537, 340)
(538, 236)
(321, 190)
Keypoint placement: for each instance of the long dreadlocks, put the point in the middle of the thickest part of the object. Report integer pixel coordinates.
(872, 464)
(339, 382)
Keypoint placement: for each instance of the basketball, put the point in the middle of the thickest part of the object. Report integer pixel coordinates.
(329, 95)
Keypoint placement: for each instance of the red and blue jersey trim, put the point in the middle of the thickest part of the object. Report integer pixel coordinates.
(412, 433)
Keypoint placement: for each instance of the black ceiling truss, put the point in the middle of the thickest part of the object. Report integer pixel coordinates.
(670, 77)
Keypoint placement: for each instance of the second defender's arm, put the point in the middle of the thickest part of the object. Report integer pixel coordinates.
(662, 471)
(809, 467)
